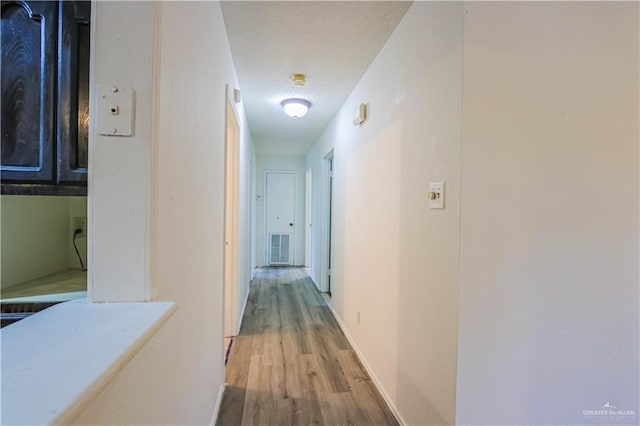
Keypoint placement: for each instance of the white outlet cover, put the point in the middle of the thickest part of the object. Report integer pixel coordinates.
(115, 110)
(438, 202)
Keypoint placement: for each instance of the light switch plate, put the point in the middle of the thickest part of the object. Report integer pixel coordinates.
(115, 110)
(436, 195)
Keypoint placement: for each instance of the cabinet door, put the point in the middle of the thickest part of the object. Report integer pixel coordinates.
(28, 39)
(73, 91)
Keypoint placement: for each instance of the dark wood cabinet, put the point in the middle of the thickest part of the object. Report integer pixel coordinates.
(45, 97)
(29, 37)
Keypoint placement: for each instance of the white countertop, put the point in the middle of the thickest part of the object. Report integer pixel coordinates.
(56, 361)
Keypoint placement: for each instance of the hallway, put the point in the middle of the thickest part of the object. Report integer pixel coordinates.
(291, 364)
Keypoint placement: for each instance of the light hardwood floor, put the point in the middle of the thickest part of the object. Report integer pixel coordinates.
(292, 365)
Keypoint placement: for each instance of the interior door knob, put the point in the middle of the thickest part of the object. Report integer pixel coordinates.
(291, 224)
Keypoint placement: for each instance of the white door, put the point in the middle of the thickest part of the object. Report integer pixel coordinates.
(280, 214)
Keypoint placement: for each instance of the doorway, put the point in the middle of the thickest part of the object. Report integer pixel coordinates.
(279, 217)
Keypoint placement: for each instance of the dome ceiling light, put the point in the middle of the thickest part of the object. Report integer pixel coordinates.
(295, 108)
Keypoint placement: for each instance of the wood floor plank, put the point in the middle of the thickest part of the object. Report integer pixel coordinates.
(353, 370)
(232, 406)
(344, 410)
(292, 365)
(304, 307)
(325, 354)
(368, 400)
(311, 388)
(241, 352)
(258, 404)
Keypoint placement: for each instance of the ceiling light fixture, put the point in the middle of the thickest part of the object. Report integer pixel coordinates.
(295, 108)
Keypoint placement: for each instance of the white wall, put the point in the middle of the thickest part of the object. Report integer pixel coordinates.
(542, 125)
(549, 250)
(286, 163)
(37, 236)
(77, 208)
(176, 377)
(395, 261)
(120, 168)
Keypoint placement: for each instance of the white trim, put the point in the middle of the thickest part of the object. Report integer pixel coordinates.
(244, 307)
(231, 247)
(328, 238)
(151, 225)
(308, 211)
(320, 291)
(216, 408)
(366, 365)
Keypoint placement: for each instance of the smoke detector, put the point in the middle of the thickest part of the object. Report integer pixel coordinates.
(299, 79)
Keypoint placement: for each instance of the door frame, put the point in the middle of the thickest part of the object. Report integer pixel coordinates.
(308, 209)
(330, 188)
(266, 203)
(231, 219)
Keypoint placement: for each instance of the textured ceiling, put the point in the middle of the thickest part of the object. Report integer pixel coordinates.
(332, 42)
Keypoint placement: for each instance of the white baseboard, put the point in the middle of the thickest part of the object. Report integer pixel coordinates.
(216, 408)
(367, 367)
(318, 288)
(244, 306)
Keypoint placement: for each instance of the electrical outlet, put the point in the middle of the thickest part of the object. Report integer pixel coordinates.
(79, 223)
